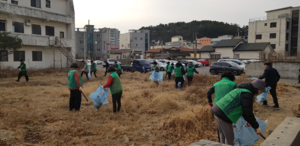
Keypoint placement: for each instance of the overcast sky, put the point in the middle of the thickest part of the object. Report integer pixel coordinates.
(133, 14)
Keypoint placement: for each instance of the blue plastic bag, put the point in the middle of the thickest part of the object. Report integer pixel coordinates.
(244, 134)
(263, 96)
(157, 76)
(99, 97)
(89, 74)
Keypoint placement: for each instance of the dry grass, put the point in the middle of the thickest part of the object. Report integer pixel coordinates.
(36, 112)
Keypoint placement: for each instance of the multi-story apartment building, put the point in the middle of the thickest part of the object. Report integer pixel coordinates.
(94, 43)
(280, 27)
(46, 29)
(220, 38)
(135, 40)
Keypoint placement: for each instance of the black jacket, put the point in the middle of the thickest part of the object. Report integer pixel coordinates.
(106, 65)
(247, 105)
(182, 69)
(271, 76)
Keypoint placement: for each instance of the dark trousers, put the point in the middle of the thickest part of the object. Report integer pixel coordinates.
(86, 73)
(75, 100)
(22, 73)
(273, 93)
(169, 75)
(105, 72)
(190, 79)
(177, 80)
(299, 79)
(116, 99)
(94, 71)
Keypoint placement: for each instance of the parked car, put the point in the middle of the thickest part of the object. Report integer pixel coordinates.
(112, 61)
(98, 62)
(195, 63)
(238, 62)
(162, 66)
(175, 62)
(204, 62)
(140, 65)
(220, 67)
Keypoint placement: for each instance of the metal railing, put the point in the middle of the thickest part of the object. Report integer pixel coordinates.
(64, 48)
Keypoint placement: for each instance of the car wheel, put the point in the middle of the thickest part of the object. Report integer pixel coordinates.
(235, 72)
(162, 69)
(212, 72)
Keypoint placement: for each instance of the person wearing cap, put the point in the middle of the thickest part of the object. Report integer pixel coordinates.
(221, 88)
(170, 69)
(115, 85)
(23, 71)
(237, 103)
(271, 77)
(118, 68)
(190, 69)
(106, 67)
(75, 87)
(179, 73)
(85, 69)
(93, 68)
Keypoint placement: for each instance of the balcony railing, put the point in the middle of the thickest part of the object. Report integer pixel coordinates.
(32, 40)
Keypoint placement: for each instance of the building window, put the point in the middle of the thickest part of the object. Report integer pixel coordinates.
(37, 56)
(124, 56)
(141, 38)
(272, 35)
(36, 29)
(98, 49)
(136, 45)
(273, 46)
(81, 50)
(215, 56)
(14, 2)
(49, 30)
(2, 25)
(273, 24)
(287, 36)
(80, 42)
(3, 55)
(18, 55)
(48, 4)
(18, 27)
(286, 47)
(266, 24)
(61, 35)
(135, 38)
(287, 25)
(258, 36)
(36, 3)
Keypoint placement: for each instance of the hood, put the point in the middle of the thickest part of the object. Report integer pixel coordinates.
(178, 64)
(248, 86)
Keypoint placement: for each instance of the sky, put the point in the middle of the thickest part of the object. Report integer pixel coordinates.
(133, 14)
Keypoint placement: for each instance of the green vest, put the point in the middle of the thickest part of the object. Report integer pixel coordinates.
(118, 66)
(86, 66)
(231, 104)
(222, 88)
(154, 68)
(116, 86)
(170, 69)
(190, 71)
(71, 78)
(94, 66)
(23, 67)
(178, 72)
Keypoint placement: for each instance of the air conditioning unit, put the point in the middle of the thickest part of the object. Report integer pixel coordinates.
(27, 22)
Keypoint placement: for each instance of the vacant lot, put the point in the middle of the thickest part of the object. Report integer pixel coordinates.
(36, 112)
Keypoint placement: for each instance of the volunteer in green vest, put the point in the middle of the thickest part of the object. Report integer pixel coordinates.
(168, 64)
(190, 69)
(237, 103)
(155, 67)
(23, 71)
(85, 69)
(118, 68)
(114, 83)
(75, 87)
(221, 88)
(170, 69)
(179, 73)
(93, 68)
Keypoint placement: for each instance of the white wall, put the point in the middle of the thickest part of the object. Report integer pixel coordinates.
(125, 41)
(205, 55)
(225, 52)
(248, 54)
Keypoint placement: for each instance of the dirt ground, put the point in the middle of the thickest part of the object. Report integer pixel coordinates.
(37, 113)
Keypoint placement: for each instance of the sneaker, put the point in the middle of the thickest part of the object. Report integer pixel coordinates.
(275, 107)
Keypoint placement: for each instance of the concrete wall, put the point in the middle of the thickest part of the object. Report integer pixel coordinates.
(205, 55)
(225, 52)
(287, 70)
(248, 54)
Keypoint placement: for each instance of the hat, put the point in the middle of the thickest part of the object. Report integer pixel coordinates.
(74, 65)
(21, 60)
(259, 84)
(154, 62)
(92, 61)
(168, 62)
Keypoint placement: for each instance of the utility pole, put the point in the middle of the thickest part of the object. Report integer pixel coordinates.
(195, 55)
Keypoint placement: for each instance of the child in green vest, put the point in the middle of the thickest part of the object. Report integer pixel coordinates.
(93, 68)
(237, 103)
(170, 69)
(23, 71)
(190, 69)
(221, 88)
(118, 68)
(75, 87)
(156, 69)
(115, 85)
(179, 73)
(85, 69)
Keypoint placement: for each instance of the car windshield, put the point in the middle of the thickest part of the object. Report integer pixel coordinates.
(237, 62)
(233, 64)
(144, 62)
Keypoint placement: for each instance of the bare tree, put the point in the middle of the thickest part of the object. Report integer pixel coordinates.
(9, 44)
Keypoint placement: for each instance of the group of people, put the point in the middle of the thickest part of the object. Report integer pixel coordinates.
(179, 72)
(231, 101)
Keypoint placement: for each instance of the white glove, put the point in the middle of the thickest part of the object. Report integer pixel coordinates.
(80, 88)
(20, 69)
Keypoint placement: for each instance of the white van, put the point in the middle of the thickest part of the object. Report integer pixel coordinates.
(238, 62)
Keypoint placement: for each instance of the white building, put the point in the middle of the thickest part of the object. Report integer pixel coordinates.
(220, 38)
(46, 28)
(280, 27)
(135, 40)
